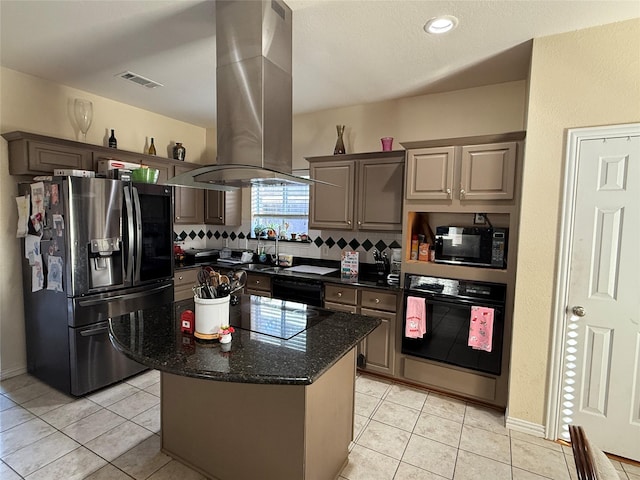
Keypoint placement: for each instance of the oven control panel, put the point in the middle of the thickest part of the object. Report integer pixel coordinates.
(450, 287)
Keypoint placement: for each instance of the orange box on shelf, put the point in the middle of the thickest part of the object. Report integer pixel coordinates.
(423, 252)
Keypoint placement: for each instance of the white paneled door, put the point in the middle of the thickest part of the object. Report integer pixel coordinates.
(601, 384)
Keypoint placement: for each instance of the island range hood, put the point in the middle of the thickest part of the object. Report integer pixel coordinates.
(254, 98)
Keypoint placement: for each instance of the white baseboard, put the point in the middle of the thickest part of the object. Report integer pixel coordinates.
(12, 372)
(525, 426)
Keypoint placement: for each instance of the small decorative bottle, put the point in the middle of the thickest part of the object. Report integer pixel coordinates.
(113, 143)
(179, 151)
(152, 148)
(339, 149)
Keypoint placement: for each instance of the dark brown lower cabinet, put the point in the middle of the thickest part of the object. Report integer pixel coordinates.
(376, 353)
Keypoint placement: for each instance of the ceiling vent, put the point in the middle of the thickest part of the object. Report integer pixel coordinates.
(139, 79)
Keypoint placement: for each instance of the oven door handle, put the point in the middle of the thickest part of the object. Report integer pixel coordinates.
(498, 306)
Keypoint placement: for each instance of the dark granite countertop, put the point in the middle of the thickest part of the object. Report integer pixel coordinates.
(153, 338)
(367, 278)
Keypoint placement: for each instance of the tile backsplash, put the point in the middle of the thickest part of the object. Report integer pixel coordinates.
(324, 244)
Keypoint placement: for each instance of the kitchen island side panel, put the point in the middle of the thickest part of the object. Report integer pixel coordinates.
(243, 431)
(233, 431)
(329, 412)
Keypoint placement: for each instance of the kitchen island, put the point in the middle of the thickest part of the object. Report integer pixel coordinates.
(275, 403)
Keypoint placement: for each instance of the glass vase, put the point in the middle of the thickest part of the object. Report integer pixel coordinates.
(339, 148)
(83, 112)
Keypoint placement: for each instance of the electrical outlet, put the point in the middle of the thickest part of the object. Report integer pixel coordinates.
(324, 250)
(479, 219)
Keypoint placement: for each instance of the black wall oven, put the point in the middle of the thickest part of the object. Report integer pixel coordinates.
(449, 306)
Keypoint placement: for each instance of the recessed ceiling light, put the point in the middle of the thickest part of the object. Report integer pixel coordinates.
(441, 24)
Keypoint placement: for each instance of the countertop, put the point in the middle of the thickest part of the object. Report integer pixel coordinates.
(153, 338)
(367, 277)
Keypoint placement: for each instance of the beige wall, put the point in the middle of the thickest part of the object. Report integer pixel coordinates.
(34, 105)
(578, 79)
(38, 106)
(475, 111)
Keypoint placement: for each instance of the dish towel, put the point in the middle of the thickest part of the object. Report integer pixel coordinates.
(415, 318)
(481, 328)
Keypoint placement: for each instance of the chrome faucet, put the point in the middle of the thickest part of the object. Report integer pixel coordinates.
(276, 254)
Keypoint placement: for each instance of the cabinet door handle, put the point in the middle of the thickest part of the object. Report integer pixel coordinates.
(348, 222)
(220, 218)
(177, 218)
(462, 193)
(359, 223)
(448, 191)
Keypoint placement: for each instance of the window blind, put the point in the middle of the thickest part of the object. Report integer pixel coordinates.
(280, 204)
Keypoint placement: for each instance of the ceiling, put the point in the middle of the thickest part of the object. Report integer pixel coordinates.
(345, 52)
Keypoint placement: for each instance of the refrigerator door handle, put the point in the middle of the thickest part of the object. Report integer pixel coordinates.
(130, 234)
(125, 296)
(138, 256)
(98, 329)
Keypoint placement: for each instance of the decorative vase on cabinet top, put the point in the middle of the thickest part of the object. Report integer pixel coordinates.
(339, 148)
(179, 152)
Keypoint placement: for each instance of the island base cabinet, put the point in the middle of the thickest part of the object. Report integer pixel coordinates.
(243, 431)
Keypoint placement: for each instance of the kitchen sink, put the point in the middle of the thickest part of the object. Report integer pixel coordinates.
(260, 267)
(272, 269)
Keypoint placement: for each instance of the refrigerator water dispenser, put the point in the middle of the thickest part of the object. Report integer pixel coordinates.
(105, 262)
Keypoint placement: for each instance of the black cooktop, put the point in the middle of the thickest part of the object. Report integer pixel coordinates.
(276, 318)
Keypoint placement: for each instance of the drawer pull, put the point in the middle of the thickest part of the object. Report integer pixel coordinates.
(257, 282)
(377, 300)
(339, 294)
(180, 277)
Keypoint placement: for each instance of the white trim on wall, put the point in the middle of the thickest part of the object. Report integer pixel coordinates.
(524, 426)
(12, 372)
(556, 362)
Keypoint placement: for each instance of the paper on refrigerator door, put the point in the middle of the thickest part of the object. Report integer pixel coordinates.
(54, 275)
(31, 248)
(37, 199)
(37, 274)
(23, 216)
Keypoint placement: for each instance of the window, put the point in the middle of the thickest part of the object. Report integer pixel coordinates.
(282, 208)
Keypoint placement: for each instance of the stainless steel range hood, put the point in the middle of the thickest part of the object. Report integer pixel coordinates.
(254, 98)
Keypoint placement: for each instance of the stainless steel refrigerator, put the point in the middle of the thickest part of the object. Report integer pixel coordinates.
(106, 250)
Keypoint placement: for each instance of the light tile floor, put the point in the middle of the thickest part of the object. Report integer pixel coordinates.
(401, 433)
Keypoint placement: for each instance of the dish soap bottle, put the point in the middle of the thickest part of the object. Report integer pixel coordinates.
(152, 148)
(113, 143)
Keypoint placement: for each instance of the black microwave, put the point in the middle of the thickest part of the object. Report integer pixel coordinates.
(475, 246)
